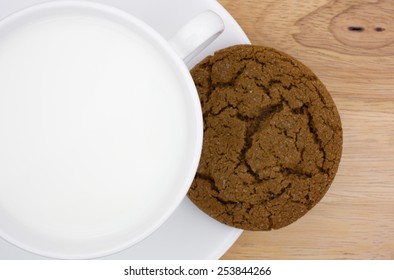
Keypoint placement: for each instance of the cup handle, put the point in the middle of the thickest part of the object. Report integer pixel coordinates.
(196, 35)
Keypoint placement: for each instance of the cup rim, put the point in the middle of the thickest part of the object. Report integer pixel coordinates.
(198, 122)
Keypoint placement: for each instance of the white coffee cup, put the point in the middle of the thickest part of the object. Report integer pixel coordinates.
(100, 126)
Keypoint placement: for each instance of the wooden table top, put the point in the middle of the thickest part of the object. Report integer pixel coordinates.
(349, 44)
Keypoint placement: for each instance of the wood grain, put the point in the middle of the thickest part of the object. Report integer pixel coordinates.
(349, 44)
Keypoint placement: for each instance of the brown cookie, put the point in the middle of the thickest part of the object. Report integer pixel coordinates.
(272, 138)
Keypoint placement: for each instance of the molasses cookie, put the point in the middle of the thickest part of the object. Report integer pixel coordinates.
(272, 138)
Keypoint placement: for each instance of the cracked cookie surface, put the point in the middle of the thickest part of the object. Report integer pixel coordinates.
(272, 138)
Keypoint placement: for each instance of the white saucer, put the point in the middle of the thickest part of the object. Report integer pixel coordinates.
(189, 233)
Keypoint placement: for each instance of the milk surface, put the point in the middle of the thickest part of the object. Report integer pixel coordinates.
(93, 129)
